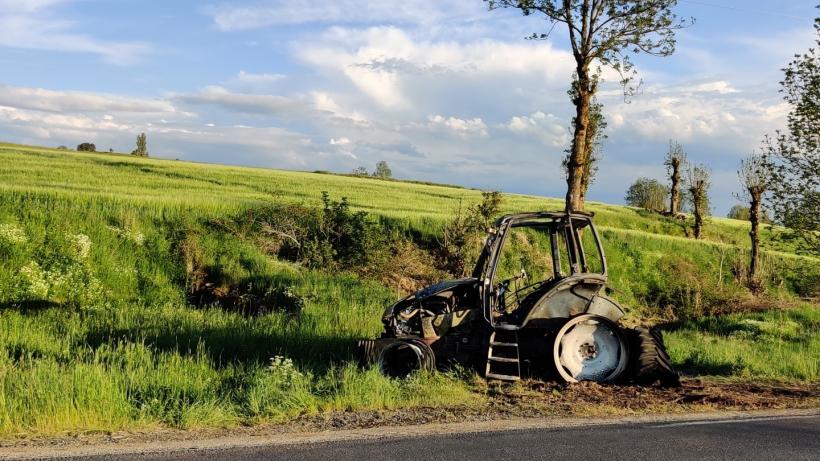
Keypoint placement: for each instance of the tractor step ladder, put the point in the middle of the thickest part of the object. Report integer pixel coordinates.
(503, 360)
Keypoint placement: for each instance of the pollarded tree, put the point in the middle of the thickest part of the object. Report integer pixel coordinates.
(675, 164)
(698, 180)
(794, 155)
(601, 33)
(754, 176)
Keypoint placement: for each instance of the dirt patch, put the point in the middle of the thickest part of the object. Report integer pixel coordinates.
(524, 400)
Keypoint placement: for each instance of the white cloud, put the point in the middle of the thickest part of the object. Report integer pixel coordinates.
(547, 128)
(32, 25)
(75, 101)
(245, 102)
(463, 128)
(279, 12)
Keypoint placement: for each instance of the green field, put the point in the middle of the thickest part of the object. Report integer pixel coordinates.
(97, 331)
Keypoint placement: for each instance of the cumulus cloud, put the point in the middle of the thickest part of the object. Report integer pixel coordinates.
(463, 128)
(547, 128)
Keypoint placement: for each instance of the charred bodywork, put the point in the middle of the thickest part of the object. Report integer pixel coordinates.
(534, 305)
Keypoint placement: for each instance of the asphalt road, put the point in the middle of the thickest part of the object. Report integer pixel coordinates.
(776, 438)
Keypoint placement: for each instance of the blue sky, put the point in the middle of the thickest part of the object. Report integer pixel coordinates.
(442, 90)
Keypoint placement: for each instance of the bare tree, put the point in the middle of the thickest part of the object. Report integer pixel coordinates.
(698, 178)
(675, 164)
(601, 33)
(754, 176)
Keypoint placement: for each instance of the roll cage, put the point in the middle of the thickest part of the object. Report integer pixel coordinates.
(565, 231)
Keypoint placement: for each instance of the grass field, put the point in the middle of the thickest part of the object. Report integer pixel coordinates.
(96, 331)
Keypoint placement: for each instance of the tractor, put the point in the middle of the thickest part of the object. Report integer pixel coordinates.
(536, 305)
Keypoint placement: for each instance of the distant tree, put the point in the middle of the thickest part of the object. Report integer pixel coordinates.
(594, 142)
(142, 146)
(739, 212)
(86, 147)
(698, 177)
(382, 170)
(794, 155)
(62, 147)
(602, 33)
(111, 150)
(360, 171)
(675, 163)
(647, 193)
(754, 175)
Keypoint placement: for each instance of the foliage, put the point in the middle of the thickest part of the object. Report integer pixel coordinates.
(86, 147)
(648, 194)
(360, 171)
(794, 155)
(382, 170)
(142, 146)
(462, 236)
(739, 212)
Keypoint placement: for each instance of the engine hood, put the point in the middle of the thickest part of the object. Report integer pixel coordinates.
(440, 287)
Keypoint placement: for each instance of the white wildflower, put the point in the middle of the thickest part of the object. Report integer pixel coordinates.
(81, 244)
(283, 369)
(36, 283)
(11, 234)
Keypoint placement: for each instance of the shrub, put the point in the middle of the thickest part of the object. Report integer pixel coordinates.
(86, 147)
(647, 193)
(462, 236)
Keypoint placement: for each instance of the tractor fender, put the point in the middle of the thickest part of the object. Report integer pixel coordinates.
(573, 296)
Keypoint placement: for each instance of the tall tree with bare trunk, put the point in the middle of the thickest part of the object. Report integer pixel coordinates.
(675, 163)
(754, 176)
(698, 180)
(602, 33)
(595, 137)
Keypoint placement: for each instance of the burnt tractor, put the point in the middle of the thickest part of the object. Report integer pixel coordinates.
(536, 305)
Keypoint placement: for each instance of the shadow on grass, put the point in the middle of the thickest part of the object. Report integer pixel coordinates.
(698, 367)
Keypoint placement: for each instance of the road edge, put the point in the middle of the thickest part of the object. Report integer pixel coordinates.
(394, 432)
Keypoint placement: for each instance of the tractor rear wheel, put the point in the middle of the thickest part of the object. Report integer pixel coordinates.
(589, 348)
(649, 361)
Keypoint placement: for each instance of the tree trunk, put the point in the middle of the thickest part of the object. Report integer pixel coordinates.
(674, 201)
(754, 218)
(698, 218)
(577, 157)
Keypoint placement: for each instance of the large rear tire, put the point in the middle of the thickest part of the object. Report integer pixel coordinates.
(589, 347)
(649, 361)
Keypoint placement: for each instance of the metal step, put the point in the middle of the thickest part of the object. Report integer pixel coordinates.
(502, 359)
(504, 344)
(506, 327)
(503, 377)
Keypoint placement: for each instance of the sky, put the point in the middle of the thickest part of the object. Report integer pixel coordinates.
(444, 91)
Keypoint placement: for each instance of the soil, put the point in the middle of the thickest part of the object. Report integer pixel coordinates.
(530, 399)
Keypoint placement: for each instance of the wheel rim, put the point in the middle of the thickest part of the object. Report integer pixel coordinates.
(589, 348)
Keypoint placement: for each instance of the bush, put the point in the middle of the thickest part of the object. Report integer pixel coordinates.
(647, 193)
(462, 237)
(86, 147)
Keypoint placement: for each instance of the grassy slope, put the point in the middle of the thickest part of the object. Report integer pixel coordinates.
(115, 345)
